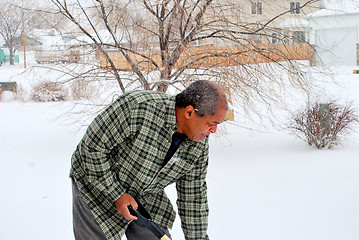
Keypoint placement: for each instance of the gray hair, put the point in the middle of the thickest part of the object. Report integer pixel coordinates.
(204, 96)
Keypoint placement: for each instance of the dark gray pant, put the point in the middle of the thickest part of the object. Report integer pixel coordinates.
(86, 227)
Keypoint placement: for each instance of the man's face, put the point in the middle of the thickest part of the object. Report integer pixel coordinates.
(199, 128)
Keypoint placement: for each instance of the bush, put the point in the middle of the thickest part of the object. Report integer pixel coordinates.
(2, 90)
(82, 89)
(323, 125)
(49, 92)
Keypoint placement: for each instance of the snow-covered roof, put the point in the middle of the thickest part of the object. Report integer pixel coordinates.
(337, 7)
(294, 22)
(106, 37)
(53, 39)
(49, 38)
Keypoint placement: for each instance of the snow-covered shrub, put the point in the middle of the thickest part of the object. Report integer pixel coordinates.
(19, 95)
(49, 92)
(1, 92)
(22, 94)
(83, 89)
(7, 96)
(323, 125)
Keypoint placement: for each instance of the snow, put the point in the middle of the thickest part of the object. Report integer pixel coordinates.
(50, 39)
(263, 184)
(294, 22)
(337, 7)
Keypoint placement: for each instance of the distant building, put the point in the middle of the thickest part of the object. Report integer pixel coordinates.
(47, 39)
(283, 19)
(334, 31)
(51, 46)
(5, 56)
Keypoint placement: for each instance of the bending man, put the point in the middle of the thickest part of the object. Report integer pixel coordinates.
(140, 144)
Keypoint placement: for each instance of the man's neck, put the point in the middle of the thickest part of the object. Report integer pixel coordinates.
(180, 120)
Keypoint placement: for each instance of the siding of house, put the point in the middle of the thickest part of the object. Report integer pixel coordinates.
(335, 38)
(254, 13)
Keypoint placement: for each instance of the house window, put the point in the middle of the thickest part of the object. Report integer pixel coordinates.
(295, 7)
(298, 37)
(274, 37)
(257, 7)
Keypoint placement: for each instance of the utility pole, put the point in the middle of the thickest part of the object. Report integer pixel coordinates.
(23, 33)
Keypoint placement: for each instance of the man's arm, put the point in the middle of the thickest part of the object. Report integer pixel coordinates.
(192, 201)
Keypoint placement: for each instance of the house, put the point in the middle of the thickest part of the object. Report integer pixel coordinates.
(283, 19)
(55, 47)
(5, 56)
(334, 31)
(48, 39)
(2, 56)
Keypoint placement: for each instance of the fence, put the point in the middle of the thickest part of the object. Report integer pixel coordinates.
(8, 86)
(209, 56)
(6, 58)
(54, 56)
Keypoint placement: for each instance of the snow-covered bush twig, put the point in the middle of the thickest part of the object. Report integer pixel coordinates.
(49, 92)
(323, 125)
(83, 89)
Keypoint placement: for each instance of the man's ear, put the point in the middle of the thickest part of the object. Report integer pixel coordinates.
(189, 112)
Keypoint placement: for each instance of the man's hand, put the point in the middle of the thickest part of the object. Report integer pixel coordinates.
(122, 203)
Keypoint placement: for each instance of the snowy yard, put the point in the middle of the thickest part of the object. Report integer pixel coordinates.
(262, 185)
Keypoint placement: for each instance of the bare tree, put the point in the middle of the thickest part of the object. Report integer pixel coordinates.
(14, 17)
(181, 40)
(10, 26)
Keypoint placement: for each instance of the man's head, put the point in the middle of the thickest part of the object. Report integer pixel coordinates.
(200, 108)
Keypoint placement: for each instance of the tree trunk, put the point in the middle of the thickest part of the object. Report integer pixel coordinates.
(162, 87)
(165, 78)
(11, 56)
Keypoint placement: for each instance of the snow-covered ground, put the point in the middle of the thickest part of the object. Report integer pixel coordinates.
(262, 185)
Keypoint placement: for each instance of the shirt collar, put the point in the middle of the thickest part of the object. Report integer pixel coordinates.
(171, 116)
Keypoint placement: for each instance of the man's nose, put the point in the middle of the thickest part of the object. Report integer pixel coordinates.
(213, 129)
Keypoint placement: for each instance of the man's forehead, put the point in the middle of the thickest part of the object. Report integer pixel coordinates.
(217, 119)
(216, 122)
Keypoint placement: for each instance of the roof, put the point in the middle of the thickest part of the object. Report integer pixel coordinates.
(294, 22)
(336, 8)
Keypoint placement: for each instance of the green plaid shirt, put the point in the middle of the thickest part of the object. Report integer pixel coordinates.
(123, 151)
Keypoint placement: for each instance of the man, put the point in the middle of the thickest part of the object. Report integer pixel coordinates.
(140, 144)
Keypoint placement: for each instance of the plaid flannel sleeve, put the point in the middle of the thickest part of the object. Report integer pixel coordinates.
(110, 128)
(192, 201)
